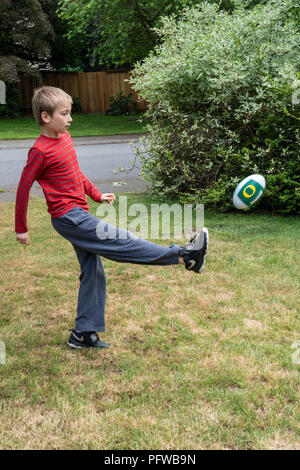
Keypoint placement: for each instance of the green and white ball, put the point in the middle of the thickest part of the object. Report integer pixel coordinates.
(248, 191)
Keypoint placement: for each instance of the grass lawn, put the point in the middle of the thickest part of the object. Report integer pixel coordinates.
(196, 362)
(83, 125)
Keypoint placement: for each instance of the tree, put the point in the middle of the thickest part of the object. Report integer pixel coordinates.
(120, 33)
(66, 53)
(25, 35)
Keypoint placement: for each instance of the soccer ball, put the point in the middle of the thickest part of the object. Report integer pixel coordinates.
(248, 191)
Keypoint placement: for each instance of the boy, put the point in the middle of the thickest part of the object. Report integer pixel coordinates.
(52, 161)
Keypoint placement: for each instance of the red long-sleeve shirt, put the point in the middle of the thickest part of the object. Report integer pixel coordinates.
(53, 164)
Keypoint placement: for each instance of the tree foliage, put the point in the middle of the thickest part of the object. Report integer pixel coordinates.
(66, 53)
(119, 33)
(219, 88)
(25, 35)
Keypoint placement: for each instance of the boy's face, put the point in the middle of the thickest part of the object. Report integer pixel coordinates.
(60, 121)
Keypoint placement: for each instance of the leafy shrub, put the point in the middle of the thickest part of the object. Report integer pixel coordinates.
(76, 106)
(219, 89)
(11, 108)
(121, 104)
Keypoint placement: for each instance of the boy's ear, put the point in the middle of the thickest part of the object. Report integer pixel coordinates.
(45, 117)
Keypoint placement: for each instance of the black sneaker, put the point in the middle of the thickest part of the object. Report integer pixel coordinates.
(85, 339)
(194, 252)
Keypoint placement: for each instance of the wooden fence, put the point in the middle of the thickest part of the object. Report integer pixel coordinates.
(94, 89)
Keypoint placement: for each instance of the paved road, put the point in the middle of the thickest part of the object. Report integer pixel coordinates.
(99, 158)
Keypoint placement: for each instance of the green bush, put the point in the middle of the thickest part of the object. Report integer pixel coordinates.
(12, 106)
(121, 104)
(220, 89)
(76, 106)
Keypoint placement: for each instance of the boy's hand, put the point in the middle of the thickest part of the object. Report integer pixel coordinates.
(23, 238)
(108, 197)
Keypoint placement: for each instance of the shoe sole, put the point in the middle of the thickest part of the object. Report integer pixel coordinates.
(195, 247)
(71, 345)
(82, 346)
(207, 242)
(197, 241)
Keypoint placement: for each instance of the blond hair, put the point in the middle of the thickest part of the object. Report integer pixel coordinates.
(47, 98)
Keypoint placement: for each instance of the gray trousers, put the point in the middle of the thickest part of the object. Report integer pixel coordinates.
(92, 237)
